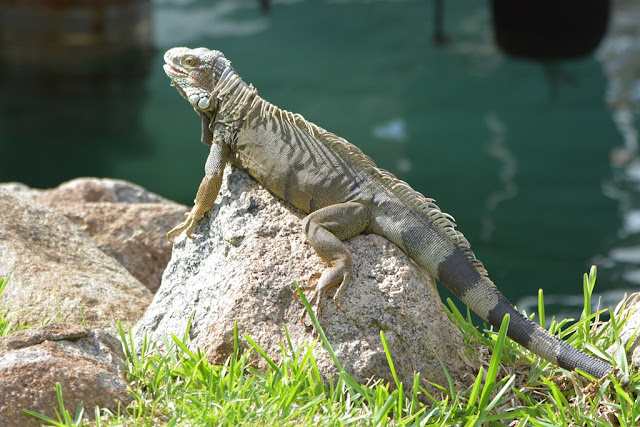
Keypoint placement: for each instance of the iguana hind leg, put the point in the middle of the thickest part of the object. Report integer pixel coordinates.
(325, 230)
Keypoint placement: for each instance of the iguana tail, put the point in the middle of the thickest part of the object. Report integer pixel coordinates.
(477, 291)
(430, 237)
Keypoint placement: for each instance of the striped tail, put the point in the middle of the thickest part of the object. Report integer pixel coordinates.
(477, 291)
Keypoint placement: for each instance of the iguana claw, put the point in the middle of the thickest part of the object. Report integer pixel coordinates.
(188, 225)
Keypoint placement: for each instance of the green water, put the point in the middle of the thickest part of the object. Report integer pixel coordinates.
(518, 153)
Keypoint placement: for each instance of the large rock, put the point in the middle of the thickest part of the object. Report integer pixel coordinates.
(241, 265)
(57, 273)
(134, 234)
(124, 220)
(82, 190)
(87, 364)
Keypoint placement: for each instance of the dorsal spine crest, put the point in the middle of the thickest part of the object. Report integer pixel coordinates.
(234, 95)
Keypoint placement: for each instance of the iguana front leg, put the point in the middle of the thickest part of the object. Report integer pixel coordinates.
(208, 190)
(325, 230)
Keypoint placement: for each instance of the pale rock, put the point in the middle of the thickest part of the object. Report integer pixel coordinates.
(87, 364)
(98, 190)
(134, 234)
(241, 267)
(57, 273)
(124, 220)
(21, 189)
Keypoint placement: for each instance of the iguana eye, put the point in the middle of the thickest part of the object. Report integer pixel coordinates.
(190, 61)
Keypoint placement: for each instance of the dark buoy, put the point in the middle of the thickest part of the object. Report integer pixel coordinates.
(549, 29)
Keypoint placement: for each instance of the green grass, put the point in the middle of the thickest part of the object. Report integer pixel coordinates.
(5, 323)
(173, 385)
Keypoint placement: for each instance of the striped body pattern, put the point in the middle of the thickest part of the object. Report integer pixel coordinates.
(344, 193)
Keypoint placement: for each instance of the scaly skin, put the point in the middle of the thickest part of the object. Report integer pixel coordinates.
(344, 193)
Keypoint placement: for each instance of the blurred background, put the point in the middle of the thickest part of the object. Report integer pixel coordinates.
(521, 123)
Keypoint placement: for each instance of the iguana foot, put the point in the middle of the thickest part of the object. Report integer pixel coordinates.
(187, 226)
(339, 274)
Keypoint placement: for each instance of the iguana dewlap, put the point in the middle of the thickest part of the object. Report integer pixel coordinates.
(344, 193)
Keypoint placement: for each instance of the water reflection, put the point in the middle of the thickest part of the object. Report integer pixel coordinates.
(508, 165)
(395, 131)
(619, 264)
(72, 79)
(620, 58)
(181, 21)
(57, 126)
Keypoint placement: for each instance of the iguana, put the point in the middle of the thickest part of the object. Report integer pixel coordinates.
(344, 193)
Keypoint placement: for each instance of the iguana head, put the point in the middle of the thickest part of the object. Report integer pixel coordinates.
(195, 72)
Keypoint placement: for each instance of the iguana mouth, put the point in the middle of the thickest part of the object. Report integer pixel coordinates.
(173, 70)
